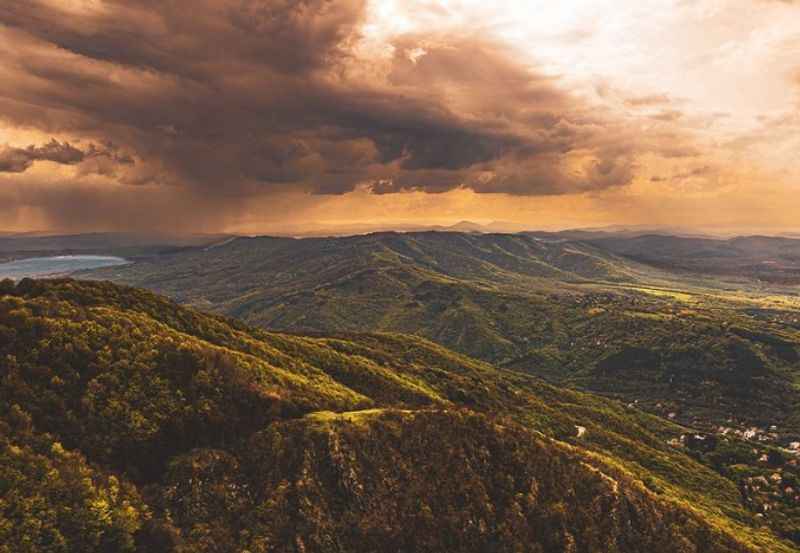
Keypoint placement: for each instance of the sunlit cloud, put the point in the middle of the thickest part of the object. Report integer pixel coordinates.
(548, 113)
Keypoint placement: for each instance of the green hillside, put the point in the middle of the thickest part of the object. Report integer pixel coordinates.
(483, 295)
(131, 424)
(707, 353)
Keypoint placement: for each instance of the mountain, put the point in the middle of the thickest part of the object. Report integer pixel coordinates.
(128, 423)
(323, 230)
(569, 311)
(295, 265)
(618, 232)
(767, 258)
(386, 281)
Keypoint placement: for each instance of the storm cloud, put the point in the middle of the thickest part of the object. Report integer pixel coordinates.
(18, 160)
(243, 97)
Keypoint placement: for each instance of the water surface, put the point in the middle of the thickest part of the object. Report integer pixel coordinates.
(56, 265)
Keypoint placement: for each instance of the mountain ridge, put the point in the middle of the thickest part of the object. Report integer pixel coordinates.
(562, 310)
(336, 442)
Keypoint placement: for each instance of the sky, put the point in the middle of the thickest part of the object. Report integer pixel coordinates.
(259, 116)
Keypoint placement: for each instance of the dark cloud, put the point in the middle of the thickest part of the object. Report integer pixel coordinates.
(704, 171)
(648, 101)
(18, 160)
(678, 150)
(230, 98)
(667, 115)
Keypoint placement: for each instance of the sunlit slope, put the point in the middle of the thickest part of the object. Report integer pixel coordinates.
(129, 423)
(568, 311)
(415, 282)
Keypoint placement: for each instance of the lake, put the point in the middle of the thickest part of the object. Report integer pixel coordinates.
(56, 265)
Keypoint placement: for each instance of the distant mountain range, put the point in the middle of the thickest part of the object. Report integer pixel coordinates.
(768, 258)
(330, 230)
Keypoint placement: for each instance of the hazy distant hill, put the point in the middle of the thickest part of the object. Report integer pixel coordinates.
(122, 244)
(130, 424)
(429, 283)
(487, 259)
(768, 258)
(482, 294)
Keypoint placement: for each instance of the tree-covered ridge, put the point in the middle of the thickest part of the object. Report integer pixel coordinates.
(129, 423)
(710, 353)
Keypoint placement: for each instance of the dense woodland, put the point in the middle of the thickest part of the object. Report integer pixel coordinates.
(131, 424)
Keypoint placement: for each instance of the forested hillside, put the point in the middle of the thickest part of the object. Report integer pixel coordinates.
(708, 353)
(131, 424)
